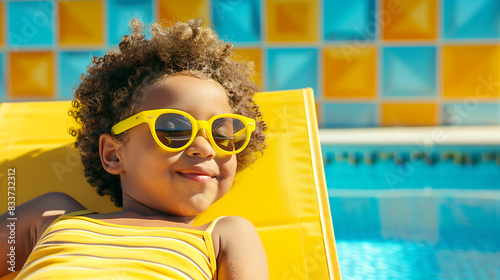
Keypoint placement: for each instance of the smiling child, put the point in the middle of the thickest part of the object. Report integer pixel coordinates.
(166, 122)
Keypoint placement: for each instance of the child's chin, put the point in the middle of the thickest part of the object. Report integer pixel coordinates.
(191, 210)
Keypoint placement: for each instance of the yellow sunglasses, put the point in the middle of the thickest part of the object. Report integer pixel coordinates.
(175, 130)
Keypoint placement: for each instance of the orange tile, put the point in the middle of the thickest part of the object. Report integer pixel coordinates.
(31, 74)
(408, 114)
(403, 20)
(254, 55)
(292, 20)
(81, 23)
(350, 72)
(2, 18)
(471, 72)
(172, 11)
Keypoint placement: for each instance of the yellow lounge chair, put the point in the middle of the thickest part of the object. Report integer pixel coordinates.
(284, 193)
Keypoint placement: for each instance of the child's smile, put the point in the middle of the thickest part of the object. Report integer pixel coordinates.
(181, 183)
(198, 174)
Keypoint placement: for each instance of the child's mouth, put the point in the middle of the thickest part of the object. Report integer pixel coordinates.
(202, 178)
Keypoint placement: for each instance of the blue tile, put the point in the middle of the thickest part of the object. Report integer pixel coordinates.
(31, 23)
(71, 65)
(292, 69)
(471, 19)
(237, 21)
(349, 20)
(471, 113)
(122, 11)
(337, 115)
(409, 71)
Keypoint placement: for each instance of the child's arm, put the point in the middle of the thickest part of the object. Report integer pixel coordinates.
(33, 218)
(241, 254)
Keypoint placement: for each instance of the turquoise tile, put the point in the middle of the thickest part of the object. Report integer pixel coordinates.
(342, 115)
(71, 66)
(471, 113)
(409, 71)
(122, 11)
(471, 19)
(349, 20)
(237, 21)
(292, 69)
(31, 23)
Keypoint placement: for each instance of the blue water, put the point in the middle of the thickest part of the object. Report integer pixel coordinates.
(401, 214)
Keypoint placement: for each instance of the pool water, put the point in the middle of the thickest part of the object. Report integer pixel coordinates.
(439, 221)
(455, 257)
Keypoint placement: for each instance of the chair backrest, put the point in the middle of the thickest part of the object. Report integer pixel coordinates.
(284, 193)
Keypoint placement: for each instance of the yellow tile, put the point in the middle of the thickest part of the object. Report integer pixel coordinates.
(254, 55)
(171, 11)
(292, 20)
(350, 72)
(471, 72)
(31, 74)
(403, 20)
(81, 23)
(408, 114)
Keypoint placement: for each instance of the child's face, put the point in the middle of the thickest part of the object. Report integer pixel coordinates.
(181, 183)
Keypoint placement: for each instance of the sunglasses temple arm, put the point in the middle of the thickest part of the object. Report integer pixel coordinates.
(128, 123)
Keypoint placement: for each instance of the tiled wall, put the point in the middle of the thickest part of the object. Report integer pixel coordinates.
(370, 62)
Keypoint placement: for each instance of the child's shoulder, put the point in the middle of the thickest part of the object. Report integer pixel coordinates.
(231, 223)
(44, 209)
(231, 230)
(239, 249)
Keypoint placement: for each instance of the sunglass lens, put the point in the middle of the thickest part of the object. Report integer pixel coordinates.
(229, 133)
(173, 130)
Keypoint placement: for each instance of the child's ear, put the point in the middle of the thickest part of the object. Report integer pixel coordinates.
(108, 151)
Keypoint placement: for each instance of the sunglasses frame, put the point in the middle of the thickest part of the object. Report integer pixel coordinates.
(150, 117)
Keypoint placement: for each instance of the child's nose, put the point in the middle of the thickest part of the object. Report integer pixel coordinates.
(201, 146)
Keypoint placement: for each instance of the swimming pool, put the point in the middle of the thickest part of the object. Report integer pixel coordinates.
(406, 209)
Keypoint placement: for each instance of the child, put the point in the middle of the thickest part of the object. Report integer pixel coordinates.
(166, 122)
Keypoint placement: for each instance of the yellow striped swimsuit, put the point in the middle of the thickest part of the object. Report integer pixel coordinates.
(78, 247)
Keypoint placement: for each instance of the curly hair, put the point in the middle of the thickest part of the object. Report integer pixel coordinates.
(114, 84)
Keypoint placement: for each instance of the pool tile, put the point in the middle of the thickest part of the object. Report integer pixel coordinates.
(292, 21)
(464, 19)
(31, 75)
(349, 20)
(409, 71)
(170, 11)
(254, 55)
(344, 69)
(338, 115)
(408, 114)
(81, 23)
(71, 66)
(2, 19)
(408, 20)
(237, 21)
(292, 68)
(471, 72)
(31, 23)
(471, 113)
(2, 81)
(120, 12)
